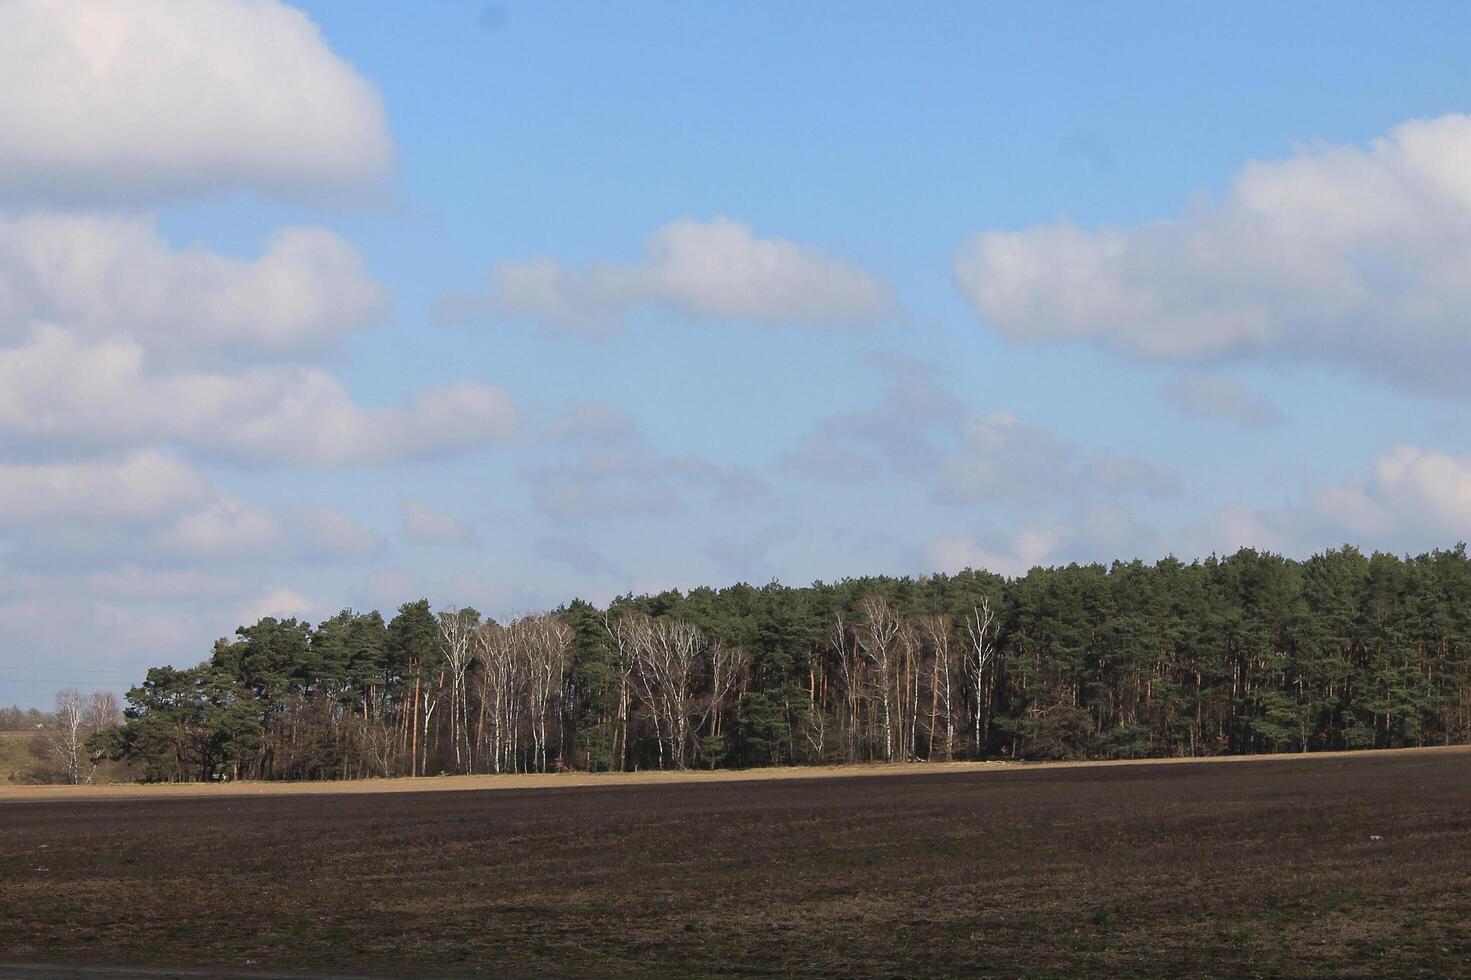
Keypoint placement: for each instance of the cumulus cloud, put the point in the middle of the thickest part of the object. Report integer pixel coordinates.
(316, 422)
(228, 528)
(115, 339)
(136, 582)
(1010, 556)
(1407, 493)
(234, 529)
(326, 533)
(114, 278)
(1339, 254)
(151, 98)
(424, 525)
(56, 391)
(1283, 530)
(1094, 531)
(147, 486)
(714, 270)
(1203, 395)
(279, 603)
(1404, 499)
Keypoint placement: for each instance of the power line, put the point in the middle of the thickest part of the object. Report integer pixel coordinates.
(72, 670)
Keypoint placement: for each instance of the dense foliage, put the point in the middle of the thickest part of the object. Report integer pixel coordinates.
(1248, 653)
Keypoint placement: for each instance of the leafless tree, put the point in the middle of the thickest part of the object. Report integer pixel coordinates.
(850, 667)
(937, 630)
(878, 635)
(981, 626)
(911, 649)
(545, 642)
(727, 664)
(69, 733)
(102, 711)
(457, 630)
(502, 680)
(621, 631)
(665, 654)
(429, 696)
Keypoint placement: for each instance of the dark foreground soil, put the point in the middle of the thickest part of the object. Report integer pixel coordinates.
(1357, 865)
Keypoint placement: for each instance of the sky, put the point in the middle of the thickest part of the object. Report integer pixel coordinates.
(341, 305)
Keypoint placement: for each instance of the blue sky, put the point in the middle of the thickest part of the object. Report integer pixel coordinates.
(587, 298)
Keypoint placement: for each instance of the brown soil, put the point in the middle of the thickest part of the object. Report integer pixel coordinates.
(1264, 867)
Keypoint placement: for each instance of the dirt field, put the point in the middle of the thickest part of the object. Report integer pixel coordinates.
(1253, 867)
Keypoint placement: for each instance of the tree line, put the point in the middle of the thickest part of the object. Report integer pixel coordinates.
(1252, 652)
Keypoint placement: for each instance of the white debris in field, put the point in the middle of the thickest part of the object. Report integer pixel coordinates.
(1375, 837)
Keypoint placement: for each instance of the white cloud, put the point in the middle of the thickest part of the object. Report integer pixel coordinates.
(56, 391)
(1012, 557)
(424, 525)
(114, 278)
(1278, 530)
(315, 422)
(1092, 531)
(1199, 394)
(135, 582)
(279, 603)
(331, 534)
(1406, 499)
(1336, 254)
(233, 529)
(228, 528)
(716, 270)
(151, 98)
(388, 588)
(118, 340)
(146, 486)
(1407, 493)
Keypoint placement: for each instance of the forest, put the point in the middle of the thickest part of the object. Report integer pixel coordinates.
(1247, 653)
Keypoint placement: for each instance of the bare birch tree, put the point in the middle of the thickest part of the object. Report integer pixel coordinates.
(665, 655)
(621, 631)
(501, 683)
(457, 630)
(69, 733)
(727, 664)
(545, 642)
(878, 634)
(911, 649)
(850, 668)
(937, 630)
(981, 626)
